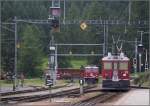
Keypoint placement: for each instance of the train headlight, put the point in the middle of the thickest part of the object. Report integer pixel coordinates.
(124, 74)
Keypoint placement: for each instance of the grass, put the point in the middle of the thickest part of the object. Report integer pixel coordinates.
(30, 82)
(76, 63)
(143, 79)
(34, 82)
(4, 83)
(27, 82)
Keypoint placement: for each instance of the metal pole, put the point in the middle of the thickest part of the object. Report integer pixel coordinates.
(146, 62)
(81, 89)
(129, 18)
(141, 36)
(141, 32)
(50, 93)
(135, 67)
(64, 11)
(15, 65)
(81, 86)
(54, 69)
(104, 39)
(149, 52)
(140, 62)
(0, 45)
(52, 60)
(103, 50)
(56, 63)
(53, 64)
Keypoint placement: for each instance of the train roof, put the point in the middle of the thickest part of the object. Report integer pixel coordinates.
(120, 57)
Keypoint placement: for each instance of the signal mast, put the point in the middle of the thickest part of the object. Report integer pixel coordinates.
(54, 15)
(146, 62)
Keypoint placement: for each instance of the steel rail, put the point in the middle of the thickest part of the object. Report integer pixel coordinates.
(29, 90)
(82, 44)
(44, 96)
(96, 99)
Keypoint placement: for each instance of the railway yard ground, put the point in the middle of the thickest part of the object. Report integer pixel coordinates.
(133, 97)
(68, 95)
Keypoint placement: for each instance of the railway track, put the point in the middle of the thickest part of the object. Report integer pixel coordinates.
(97, 99)
(104, 96)
(30, 90)
(33, 98)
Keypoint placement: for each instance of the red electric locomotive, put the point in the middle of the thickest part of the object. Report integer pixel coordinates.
(115, 72)
(91, 74)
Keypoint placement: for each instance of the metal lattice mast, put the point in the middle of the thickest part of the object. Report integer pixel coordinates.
(55, 12)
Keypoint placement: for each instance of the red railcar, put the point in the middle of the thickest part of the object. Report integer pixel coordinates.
(91, 74)
(115, 71)
(68, 73)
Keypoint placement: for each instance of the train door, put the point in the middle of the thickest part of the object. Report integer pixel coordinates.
(115, 72)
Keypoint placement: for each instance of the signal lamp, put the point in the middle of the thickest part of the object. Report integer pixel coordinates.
(55, 23)
(140, 48)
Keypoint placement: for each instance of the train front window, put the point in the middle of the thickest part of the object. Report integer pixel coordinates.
(87, 69)
(107, 65)
(91, 69)
(123, 66)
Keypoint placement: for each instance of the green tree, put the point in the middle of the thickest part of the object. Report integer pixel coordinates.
(30, 58)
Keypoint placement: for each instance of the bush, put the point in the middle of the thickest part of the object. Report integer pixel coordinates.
(143, 78)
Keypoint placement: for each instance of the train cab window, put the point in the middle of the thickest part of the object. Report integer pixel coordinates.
(91, 69)
(107, 65)
(123, 66)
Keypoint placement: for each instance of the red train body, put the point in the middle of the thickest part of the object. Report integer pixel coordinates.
(115, 71)
(68, 73)
(91, 74)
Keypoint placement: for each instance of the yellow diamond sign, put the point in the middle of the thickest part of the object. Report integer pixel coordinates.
(83, 25)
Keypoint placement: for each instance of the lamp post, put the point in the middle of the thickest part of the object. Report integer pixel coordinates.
(140, 51)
